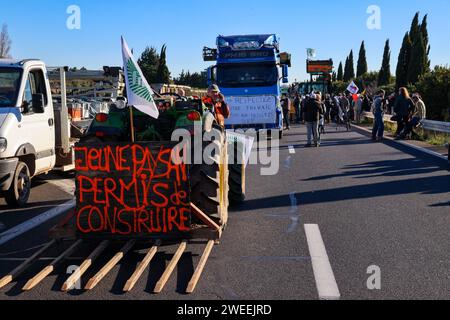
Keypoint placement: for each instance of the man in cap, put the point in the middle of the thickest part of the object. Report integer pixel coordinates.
(215, 101)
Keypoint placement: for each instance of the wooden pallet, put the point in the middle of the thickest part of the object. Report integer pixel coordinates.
(211, 233)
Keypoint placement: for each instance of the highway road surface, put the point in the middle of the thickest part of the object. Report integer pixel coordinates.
(349, 220)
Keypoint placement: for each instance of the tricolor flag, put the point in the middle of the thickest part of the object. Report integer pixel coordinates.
(140, 94)
(353, 88)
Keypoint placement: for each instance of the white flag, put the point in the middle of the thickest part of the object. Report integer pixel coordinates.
(353, 88)
(311, 53)
(140, 95)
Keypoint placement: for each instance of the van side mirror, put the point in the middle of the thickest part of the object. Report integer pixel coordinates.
(38, 103)
(285, 70)
(211, 75)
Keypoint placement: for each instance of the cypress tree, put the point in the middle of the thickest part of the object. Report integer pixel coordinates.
(346, 70)
(362, 61)
(418, 60)
(351, 64)
(426, 41)
(148, 62)
(403, 62)
(415, 28)
(384, 76)
(340, 74)
(334, 76)
(162, 73)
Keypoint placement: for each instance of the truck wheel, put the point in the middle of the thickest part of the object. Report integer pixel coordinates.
(209, 185)
(19, 192)
(237, 184)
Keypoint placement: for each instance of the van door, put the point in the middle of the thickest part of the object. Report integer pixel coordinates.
(37, 128)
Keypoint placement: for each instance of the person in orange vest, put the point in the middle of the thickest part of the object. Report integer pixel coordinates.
(215, 101)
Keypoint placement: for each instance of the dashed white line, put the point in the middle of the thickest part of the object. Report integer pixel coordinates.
(35, 222)
(323, 273)
(291, 150)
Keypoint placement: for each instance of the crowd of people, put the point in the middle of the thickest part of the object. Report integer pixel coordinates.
(315, 110)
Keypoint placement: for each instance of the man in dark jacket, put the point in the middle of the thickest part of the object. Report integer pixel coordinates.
(311, 114)
(404, 108)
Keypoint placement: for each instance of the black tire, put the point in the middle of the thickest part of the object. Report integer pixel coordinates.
(236, 184)
(209, 185)
(19, 192)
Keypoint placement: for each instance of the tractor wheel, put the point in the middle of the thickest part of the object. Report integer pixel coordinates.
(209, 183)
(237, 184)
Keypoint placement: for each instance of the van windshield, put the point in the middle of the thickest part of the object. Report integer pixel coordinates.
(9, 86)
(247, 75)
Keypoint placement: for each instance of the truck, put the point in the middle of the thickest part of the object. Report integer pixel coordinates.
(249, 71)
(36, 132)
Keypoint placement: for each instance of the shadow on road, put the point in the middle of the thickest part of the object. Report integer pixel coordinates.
(389, 168)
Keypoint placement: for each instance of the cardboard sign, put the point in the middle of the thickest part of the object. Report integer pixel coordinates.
(131, 191)
(319, 66)
(248, 110)
(244, 140)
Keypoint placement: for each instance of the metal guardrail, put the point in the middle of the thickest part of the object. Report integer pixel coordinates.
(437, 126)
(427, 125)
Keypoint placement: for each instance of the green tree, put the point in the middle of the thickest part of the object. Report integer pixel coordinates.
(334, 76)
(426, 41)
(340, 74)
(346, 76)
(415, 28)
(434, 87)
(352, 65)
(403, 62)
(349, 69)
(384, 77)
(418, 60)
(362, 61)
(149, 62)
(162, 73)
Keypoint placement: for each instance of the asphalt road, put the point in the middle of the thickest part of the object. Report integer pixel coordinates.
(380, 205)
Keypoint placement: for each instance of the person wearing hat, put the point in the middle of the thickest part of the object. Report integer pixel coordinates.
(215, 102)
(311, 114)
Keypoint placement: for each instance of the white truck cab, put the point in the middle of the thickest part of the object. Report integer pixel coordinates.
(28, 128)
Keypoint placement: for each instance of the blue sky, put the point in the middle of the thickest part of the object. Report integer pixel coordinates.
(38, 29)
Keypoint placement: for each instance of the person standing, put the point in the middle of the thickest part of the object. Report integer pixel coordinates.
(215, 102)
(358, 108)
(378, 112)
(297, 107)
(311, 115)
(404, 108)
(286, 106)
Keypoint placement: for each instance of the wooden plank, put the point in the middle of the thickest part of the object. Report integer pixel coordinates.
(173, 263)
(76, 276)
(24, 266)
(141, 267)
(95, 280)
(202, 216)
(49, 269)
(198, 272)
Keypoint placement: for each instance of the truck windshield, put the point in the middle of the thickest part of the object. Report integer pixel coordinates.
(9, 86)
(247, 75)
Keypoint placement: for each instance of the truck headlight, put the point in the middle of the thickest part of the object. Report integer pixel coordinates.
(3, 144)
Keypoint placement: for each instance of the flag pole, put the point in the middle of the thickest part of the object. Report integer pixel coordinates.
(132, 125)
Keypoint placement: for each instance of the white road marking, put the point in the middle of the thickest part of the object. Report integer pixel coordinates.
(291, 150)
(323, 273)
(35, 222)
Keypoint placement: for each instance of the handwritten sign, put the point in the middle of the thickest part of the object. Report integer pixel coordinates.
(131, 191)
(247, 110)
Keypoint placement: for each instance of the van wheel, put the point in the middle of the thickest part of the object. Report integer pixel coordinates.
(19, 192)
